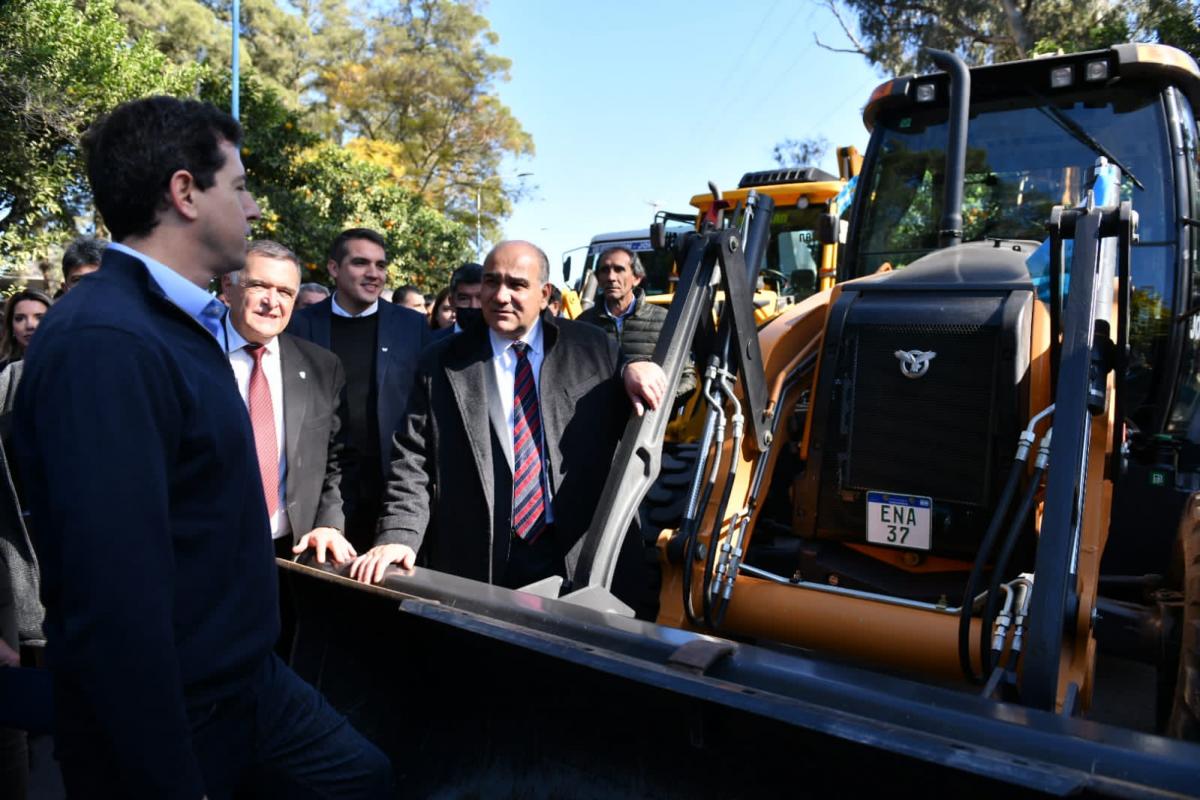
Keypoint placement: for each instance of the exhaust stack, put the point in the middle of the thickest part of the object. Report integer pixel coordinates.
(951, 231)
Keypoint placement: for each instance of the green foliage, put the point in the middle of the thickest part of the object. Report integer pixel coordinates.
(310, 190)
(412, 80)
(61, 66)
(1176, 22)
(331, 190)
(275, 43)
(892, 32)
(423, 79)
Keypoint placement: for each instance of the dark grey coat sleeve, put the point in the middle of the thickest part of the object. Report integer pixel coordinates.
(410, 486)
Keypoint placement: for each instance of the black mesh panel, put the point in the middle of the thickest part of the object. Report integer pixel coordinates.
(929, 435)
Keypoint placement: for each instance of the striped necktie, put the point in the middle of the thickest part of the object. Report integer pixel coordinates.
(529, 500)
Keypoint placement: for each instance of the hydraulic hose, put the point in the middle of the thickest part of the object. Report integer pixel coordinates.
(985, 550)
(726, 491)
(1016, 608)
(1024, 443)
(717, 410)
(688, 528)
(756, 227)
(784, 384)
(1010, 543)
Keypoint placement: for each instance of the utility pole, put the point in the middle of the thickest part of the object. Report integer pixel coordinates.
(237, 31)
(478, 223)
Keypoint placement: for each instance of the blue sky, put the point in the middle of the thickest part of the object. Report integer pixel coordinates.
(633, 103)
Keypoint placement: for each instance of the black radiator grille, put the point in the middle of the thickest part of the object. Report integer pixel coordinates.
(930, 435)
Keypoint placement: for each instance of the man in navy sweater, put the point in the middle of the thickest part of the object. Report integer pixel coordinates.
(151, 527)
(379, 344)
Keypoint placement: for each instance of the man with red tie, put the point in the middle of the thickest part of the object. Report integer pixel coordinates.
(292, 390)
(509, 437)
(289, 386)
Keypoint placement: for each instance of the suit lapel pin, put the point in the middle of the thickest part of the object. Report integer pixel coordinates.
(302, 375)
(384, 349)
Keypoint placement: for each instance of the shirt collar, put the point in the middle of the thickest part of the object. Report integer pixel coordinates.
(178, 289)
(234, 341)
(624, 314)
(338, 311)
(532, 338)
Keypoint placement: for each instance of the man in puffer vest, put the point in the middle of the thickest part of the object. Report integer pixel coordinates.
(625, 316)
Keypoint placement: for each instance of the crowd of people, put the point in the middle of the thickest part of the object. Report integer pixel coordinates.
(188, 410)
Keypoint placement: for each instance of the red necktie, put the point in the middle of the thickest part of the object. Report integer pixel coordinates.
(529, 501)
(262, 419)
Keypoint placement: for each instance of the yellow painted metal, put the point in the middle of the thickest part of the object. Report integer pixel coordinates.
(907, 638)
(784, 194)
(572, 307)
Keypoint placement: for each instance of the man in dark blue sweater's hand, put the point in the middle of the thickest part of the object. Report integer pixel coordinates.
(146, 498)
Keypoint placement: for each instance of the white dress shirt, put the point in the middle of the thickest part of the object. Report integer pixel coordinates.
(243, 365)
(504, 362)
(338, 311)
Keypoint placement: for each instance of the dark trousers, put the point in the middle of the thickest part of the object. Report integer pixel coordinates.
(360, 525)
(287, 603)
(528, 563)
(14, 764)
(278, 739)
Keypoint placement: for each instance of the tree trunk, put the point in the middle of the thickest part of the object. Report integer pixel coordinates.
(1017, 28)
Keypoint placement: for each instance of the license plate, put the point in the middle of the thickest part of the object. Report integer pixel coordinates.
(899, 520)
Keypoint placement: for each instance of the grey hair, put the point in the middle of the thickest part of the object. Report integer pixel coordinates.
(544, 265)
(319, 288)
(83, 251)
(635, 263)
(268, 249)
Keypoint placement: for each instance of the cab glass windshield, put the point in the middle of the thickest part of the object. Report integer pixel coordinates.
(793, 250)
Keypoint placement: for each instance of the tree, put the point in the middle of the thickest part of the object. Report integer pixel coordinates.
(275, 43)
(423, 81)
(891, 33)
(1176, 23)
(800, 152)
(408, 84)
(309, 190)
(61, 66)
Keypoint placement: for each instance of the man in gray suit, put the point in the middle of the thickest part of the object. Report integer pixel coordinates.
(505, 496)
(292, 389)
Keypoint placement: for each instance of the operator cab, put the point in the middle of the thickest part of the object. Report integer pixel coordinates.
(1036, 128)
(933, 360)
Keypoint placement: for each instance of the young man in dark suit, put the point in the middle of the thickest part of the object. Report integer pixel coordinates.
(378, 344)
(509, 438)
(152, 527)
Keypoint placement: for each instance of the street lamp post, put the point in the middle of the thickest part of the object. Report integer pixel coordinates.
(236, 77)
